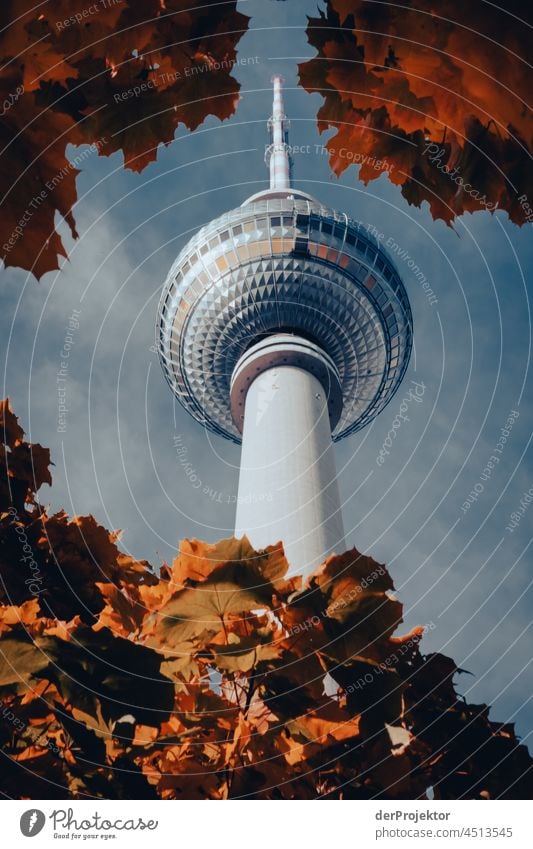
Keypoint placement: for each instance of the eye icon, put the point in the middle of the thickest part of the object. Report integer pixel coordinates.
(32, 822)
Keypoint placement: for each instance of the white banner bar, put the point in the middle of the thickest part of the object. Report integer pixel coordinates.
(256, 825)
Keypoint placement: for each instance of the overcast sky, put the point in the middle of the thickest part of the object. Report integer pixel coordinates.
(462, 571)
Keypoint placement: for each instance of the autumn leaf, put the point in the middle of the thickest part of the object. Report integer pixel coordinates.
(10, 430)
(36, 181)
(343, 577)
(23, 467)
(232, 590)
(123, 78)
(26, 614)
(21, 661)
(197, 560)
(328, 722)
(435, 99)
(245, 653)
(122, 614)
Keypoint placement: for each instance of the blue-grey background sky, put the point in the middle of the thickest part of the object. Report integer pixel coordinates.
(463, 572)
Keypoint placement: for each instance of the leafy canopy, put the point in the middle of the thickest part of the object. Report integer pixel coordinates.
(432, 95)
(121, 77)
(218, 677)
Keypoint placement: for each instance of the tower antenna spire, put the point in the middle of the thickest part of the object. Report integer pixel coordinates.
(278, 153)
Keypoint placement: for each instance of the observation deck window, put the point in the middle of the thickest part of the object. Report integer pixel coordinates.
(259, 248)
(230, 253)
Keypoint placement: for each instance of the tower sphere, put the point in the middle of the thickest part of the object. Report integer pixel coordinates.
(282, 262)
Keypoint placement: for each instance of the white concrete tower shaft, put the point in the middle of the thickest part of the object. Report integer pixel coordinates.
(286, 393)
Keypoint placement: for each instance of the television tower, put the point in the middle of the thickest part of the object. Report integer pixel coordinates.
(284, 325)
